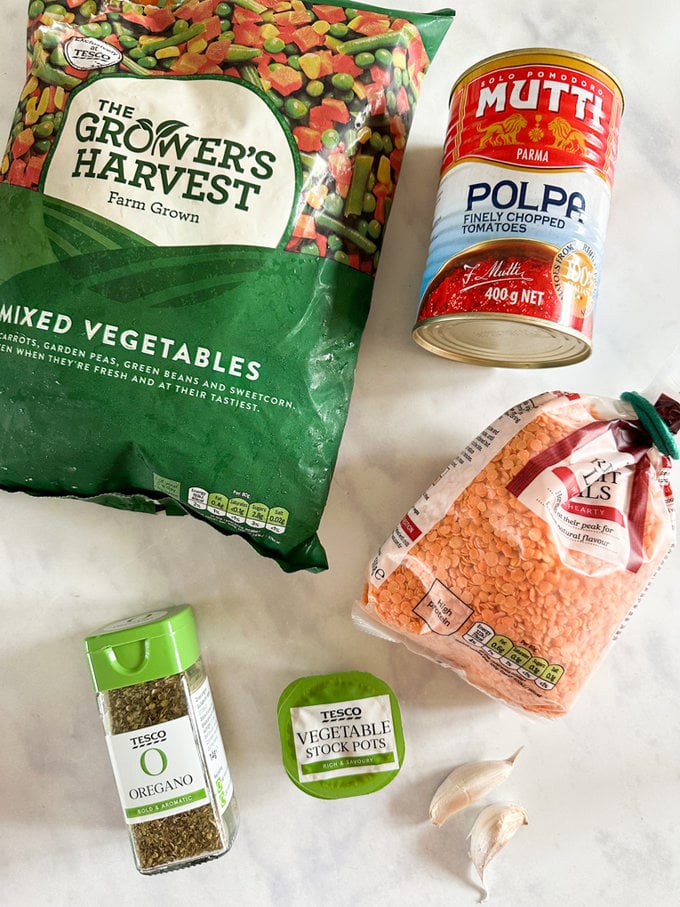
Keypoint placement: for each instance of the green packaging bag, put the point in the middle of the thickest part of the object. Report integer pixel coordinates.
(192, 203)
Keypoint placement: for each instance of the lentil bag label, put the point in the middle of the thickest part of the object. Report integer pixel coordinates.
(193, 199)
(522, 561)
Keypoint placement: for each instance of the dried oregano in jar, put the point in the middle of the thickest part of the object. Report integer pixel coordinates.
(163, 738)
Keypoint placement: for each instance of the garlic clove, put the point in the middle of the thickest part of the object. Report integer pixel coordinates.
(493, 828)
(466, 784)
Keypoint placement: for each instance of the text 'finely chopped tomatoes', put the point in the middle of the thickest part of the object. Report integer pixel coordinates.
(520, 564)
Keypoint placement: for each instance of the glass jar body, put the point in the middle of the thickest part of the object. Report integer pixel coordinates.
(171, 770)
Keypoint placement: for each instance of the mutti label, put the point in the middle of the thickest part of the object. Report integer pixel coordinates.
(535, 115)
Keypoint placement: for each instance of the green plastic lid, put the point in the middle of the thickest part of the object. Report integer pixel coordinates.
(341, 734)
(141, 648)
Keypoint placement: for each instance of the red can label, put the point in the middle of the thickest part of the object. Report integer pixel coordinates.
(525, 189)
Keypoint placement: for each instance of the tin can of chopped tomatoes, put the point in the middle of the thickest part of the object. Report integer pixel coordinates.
(515, 256)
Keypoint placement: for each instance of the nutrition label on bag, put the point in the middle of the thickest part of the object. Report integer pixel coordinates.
(512, 657)
(240, 510)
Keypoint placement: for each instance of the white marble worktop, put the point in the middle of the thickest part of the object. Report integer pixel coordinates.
(601, 786)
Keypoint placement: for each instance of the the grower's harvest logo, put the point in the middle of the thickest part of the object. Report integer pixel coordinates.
(118, 147)
(181, 163)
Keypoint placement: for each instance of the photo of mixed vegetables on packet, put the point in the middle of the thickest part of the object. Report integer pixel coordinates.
(171, 163)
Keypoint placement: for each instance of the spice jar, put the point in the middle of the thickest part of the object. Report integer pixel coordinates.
(164, 742)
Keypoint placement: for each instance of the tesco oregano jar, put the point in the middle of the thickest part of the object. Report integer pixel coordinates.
(164, 742)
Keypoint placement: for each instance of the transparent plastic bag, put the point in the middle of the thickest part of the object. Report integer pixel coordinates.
(519, 565)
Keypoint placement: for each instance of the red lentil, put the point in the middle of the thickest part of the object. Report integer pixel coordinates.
(519, 587)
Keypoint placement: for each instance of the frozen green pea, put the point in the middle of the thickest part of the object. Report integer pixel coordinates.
(223, 10)
(330, 138)
(294, 61)
(310, 248)
(334, 242)
(343, 81)
(341, 257)
(334, 204)
(89, 8)
(295, 108)
(147, 61)
(50, 40)
(315, 88)
(37, 8)
(43, 129)
(42, 146)
(127, 41)
(387, 145)
(364, 59)
(383, 56)
(369, 203)
(274, 45)
(179, 26)
(92, 30)
(362, 226)
(338, 30)
(374, 229)
(56, 9)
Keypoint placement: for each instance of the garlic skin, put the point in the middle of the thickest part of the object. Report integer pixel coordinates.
(493, 828)
(466, 784)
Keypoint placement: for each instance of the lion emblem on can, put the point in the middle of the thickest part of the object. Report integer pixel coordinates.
(566, 137)
(503, 133)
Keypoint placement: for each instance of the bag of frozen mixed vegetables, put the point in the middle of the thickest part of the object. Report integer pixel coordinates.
(192, 204)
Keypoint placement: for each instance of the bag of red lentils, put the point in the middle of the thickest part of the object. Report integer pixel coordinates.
(192, 204)
(521, 563)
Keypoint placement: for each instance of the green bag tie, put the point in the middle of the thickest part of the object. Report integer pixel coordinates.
(653, 424)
